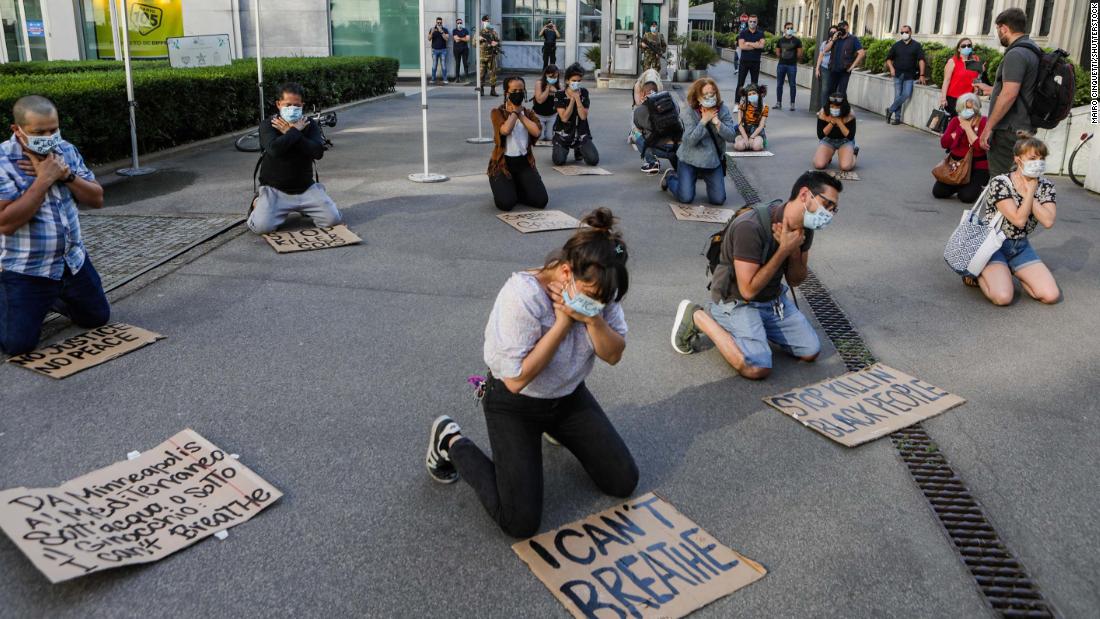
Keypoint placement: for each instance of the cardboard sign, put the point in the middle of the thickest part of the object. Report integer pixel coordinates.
(87, 350)
(840, 174)
(308, 239)
(749, 153)
(640, 559)
(862, 406)
(581, 170)
(705, 214)
(134, 511)
(539, 221)
(544, 143)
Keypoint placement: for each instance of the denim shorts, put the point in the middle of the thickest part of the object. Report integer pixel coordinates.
(1016, 253)
(836, 143)
(753, 324)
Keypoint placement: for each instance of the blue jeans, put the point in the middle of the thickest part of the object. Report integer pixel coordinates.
(681, 183)
(755, 323)
(439, 58)
(650, 153)
(903, 89)
(25, 300)
(788, 72)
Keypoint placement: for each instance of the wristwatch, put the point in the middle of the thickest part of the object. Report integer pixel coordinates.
(70, 178)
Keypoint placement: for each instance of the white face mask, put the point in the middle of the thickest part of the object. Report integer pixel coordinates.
(834, 111)
(905, 36)
(709, 101)
(1033, 168)
(42, 144)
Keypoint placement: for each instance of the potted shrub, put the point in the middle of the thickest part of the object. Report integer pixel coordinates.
(699, 56)
(593, 56)
(683, 74)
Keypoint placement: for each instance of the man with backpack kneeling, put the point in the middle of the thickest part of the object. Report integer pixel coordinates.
(749, 303)
(291, 144)
(658, 120)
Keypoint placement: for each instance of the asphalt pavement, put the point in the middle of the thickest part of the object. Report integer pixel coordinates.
(324, 369)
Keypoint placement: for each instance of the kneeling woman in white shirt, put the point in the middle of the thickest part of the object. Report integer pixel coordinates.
(547, 327)
(513, 177)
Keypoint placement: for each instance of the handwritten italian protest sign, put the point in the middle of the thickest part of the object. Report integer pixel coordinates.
(862, 406)
(86, 350)
(308, 239)
(582, 170)
(640, 559)
(135, 511)
(539, 221)
(698, 212)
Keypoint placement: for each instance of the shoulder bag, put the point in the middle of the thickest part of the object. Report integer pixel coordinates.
(953, 171)
(973, 242)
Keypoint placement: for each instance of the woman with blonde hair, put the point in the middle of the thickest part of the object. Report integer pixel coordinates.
(1024, 198)
(708, 125)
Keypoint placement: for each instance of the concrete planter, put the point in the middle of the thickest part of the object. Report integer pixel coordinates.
(876, 92)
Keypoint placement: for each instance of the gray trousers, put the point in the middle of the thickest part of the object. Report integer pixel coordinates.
(272, 207)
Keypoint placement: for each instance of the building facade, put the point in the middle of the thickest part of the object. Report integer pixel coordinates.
(1054, 23)
(83, 29)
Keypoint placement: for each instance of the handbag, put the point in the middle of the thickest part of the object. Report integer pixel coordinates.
(937, 121)
(973, 242)
(953, 171)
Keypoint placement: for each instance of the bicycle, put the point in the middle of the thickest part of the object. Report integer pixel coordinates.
(250, 142)
(1079, 169)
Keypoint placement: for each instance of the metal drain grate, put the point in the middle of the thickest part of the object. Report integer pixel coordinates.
(744, 187)
(1000, 577)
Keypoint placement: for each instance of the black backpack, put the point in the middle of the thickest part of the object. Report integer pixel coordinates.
(1054, 88)
(713, 250)
(664, 118)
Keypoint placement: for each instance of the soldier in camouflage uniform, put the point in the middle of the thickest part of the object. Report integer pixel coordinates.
(488, 54)
(653, 48)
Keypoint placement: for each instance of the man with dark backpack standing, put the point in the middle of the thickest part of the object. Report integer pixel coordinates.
(658, 120)
(1032, 89)
(749, 303)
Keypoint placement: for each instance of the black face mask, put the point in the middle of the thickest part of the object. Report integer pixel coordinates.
(517, 97)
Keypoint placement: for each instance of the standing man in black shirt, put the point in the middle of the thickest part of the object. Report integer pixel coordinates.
(438, 36)
(789, 50)
(291, 143)
(906, 63)
(461, 38)
(845, 54)
(751, 43)
(549, 35)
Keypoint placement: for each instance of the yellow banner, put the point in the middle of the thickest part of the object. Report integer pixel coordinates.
(152, 22)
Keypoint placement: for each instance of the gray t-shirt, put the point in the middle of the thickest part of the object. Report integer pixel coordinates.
(1019, 65)
(522, 314)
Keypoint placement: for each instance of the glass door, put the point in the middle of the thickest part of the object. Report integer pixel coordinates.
(35, 27)
(13, 34)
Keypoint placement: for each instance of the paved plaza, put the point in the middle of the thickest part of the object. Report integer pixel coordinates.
(324, 369)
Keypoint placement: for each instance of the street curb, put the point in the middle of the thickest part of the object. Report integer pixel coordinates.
(105, 173)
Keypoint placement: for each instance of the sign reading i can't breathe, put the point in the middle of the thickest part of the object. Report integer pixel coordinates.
(640, 559)
(861, 406)
(134, 511)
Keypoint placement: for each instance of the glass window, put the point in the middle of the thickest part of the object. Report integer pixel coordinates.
(36, 30)
(626, 14)
(521, 20)
(516, 28)
(987, 18)
(357, 30)
(939, 14)
(1048, 15)
(13, 40)
(590, 19)
(916, 22)
(1029, 10)
(959, 23)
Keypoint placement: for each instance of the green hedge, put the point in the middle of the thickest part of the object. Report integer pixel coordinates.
(40, 67)
(177, 106)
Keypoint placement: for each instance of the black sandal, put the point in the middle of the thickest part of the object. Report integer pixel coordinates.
(970, 281)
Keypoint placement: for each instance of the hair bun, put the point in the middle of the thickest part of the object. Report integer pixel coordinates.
(1023, 134)
(600, 219)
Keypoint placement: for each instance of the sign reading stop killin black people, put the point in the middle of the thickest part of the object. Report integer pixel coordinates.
(308, 239)
(861, 406)
(639, 559)
(134, 511)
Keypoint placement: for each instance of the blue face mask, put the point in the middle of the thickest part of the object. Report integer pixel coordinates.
(291, 113)
(653, 28)
(551, 80)
(967, 114)
(580, 302)
(753, 99)
(966, 51)
(817, 219)
(575, 85)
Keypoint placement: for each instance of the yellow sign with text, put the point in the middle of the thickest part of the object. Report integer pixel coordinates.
(151, 24)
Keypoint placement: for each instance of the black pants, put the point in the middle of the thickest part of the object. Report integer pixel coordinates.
(587, 151)
(950, 108)
(549, 55)
(968, 193)
(510, 485)
(462, 59)
(524, 187)
(838, 82)
(747, 67)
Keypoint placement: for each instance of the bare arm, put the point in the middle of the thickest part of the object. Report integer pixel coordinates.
(948, 71)
(859, 59)
(86, 192)
(798, 266)
(509, 123)
(1045, 212)
(565, 113)
(541, 355)
(1017, 215)
(752, 277)
(606, 342)
(534, 127)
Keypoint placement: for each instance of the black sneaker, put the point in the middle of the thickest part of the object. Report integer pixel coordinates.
(653, 167)
(792, 106)
(664, 178)
(577, 155)
(684, 330)
(438, 460)
(888, 114)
